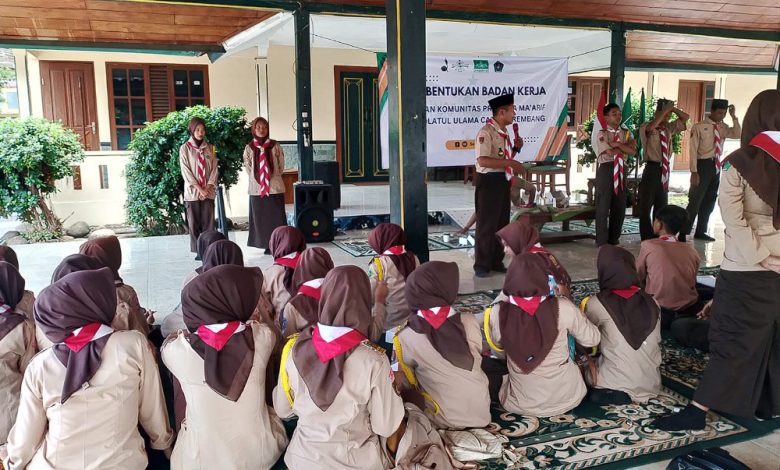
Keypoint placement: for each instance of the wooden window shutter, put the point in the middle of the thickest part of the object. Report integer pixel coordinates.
(161, 99)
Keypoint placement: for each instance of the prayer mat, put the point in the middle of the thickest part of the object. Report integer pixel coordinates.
(630, 226)
(358, 246)
(681, 364)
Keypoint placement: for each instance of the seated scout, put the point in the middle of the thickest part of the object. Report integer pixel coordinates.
(302, 309)
(390, 267)
(286, 245)
(25, 306)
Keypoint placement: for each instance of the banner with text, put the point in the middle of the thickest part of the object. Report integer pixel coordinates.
(458, 90)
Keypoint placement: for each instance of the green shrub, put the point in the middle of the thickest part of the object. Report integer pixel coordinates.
(34, 154)
(154, 183)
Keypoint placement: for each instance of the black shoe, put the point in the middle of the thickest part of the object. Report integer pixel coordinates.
(703, 236)
(682, 237)
(499, 269)
(605, 396)
(267, 251)
(198, 258)
(690, 418)
(481, 272)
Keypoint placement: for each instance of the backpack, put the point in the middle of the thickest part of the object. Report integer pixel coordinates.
(707, 459)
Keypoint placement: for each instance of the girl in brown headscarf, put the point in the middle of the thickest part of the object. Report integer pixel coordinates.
(628, 319)
(303, 308)
(108, 252)
(533, 329)
(440, 349)
(200, 173)
(25, 305)
(264, 164)
(743, 373)
(17, 345)
(339, 384)
(388, 272)
(287, 244)
(520, 237)
(221, 365)
(94, 384)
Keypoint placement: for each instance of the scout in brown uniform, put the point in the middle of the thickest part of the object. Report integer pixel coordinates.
(615, 145)
(495, 167)
(743, 373)
(390, 269)
(264, 163)
(440, 350)
(287, 244)
(707, 140)
(656, 137)
(25, 305)
(222, 370)
(83, 399)
(17, 345)
(532, 328)
(303, 308)
(199, 170)
(628, 319)
(338, 384)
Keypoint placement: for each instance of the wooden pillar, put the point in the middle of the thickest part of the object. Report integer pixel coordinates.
(617, 63)
(303, 94)
(407, 124)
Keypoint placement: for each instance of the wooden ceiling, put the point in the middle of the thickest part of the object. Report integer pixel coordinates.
(701, 50)
(110, 21)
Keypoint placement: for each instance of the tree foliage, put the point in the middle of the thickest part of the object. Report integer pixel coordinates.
(34, 154)
(155, 204)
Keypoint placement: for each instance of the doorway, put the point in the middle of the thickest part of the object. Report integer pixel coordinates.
(68, 90)
(357, 117)
(695, 98)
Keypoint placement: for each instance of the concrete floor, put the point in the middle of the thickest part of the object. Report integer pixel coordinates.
(156, 266)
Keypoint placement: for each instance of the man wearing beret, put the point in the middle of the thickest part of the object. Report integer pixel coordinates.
(495, 167)
(707, 139)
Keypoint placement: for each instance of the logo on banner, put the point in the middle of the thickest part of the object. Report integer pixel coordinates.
(481, 66)
(498, 66)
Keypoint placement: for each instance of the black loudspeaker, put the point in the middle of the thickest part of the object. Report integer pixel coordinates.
(314, 211)
(328, 173)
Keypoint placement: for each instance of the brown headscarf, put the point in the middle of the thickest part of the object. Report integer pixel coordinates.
(77, 300)
(74, 263)
(11, 292)
(194, 122)
(527, 335)
(8, 255)
(315, 263)
(221, 252)
(435, 284)
(259, 143)
(286, 240)
(386, 236)
(633, 310)
(345, 302)
(760, 170)
(223, 294)
(205, 240)
(522, 238)
(108, 251)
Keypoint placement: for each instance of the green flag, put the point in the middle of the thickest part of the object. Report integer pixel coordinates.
(628, 114)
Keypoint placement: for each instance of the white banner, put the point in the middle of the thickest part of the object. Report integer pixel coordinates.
(458, 90)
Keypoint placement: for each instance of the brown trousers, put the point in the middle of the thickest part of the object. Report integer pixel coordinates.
(491, 202)
(200, 218)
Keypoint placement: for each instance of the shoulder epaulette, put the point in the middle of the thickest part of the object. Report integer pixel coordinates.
(373, 346)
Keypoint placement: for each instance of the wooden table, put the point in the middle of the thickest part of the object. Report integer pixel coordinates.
(566, 234)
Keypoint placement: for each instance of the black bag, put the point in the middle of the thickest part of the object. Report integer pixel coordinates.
(707, 459)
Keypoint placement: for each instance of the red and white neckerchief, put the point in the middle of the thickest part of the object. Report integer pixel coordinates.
(537, 248)
(666, 155)
(5, 308)
(667, 238)
(262, 173)
(626, 293)
(395, 250)
(218, 334)
(81, 337)
(288, 261)
(507, 148)
(769, 142)
(436, 316)
(718, 145)
(331, 341)
(311, 288)
(618, 163)
(200, 167)
(527, 304)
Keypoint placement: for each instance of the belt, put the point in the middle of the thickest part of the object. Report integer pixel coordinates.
(652, 163)
(493, 174)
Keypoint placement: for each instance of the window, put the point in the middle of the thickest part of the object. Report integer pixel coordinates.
(572, 103)
(103, 169)
(145, 92)
(709, 95)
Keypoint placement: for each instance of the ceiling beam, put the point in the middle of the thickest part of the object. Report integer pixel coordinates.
(669, 66)
(170, 49)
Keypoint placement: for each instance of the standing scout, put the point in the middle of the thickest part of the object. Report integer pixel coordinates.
(199, 170)
(706, 151)
(615, 144)
(656, 137)
(495, 168)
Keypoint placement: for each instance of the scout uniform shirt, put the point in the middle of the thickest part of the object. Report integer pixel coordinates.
(703, 139)
(397, 310)
(668, 269)
(188, 161)
(276, 182)
(490, 144)
(17, 348)
(651, 139)
(607, 135)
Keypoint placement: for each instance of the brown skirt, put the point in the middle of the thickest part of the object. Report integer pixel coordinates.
(265, 214)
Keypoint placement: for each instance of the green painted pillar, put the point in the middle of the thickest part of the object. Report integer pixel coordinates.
(617, 63)
(406, 107)
(303, 94)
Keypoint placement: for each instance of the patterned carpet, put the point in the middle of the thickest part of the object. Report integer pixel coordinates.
(630, 226)
(358, 246)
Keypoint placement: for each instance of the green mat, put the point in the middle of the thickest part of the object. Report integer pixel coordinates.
(630, 226)
(358, 246)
